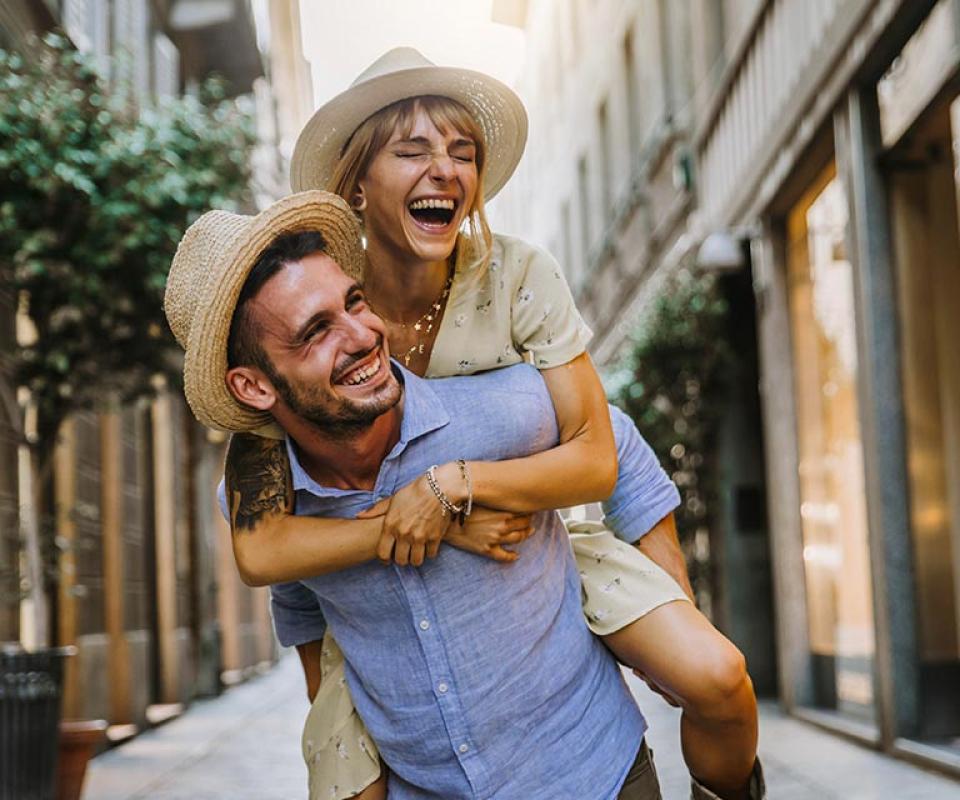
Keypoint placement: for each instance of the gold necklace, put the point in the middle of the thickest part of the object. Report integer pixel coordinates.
(424, 325)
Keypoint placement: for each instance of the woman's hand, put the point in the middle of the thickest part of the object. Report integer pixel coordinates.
(414, 524)
(486, 531)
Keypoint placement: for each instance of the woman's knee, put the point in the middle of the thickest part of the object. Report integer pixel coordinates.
(724, 691)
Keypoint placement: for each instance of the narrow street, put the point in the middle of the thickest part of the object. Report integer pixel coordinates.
(245, 745)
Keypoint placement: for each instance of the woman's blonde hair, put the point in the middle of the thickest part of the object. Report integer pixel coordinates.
(372, 136)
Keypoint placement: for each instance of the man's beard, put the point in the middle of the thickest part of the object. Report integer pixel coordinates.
(337, 417)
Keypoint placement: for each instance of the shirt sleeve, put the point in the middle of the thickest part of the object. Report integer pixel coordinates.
(544, 319)
(297, 617)
(644, 493)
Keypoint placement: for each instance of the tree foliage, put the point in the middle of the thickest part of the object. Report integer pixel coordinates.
(671, 384)
(94, 196)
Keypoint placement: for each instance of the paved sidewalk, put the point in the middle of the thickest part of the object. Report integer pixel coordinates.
(801, 762)
(245, 745)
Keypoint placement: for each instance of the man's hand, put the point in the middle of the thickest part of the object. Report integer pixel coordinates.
(661, 545)
(655, 687)
(486, 531)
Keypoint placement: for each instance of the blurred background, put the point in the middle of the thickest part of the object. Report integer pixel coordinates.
(755, 202)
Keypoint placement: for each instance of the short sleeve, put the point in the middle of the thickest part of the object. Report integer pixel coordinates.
(644, 493)
(297, 618)
(544, 319)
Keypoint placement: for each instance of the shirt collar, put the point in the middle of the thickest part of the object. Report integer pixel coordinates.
(421, 413)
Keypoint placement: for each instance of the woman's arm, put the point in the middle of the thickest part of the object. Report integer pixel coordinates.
(581, 469)
(271, 545)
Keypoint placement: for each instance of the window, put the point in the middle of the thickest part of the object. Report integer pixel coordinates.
(833, 513)
(924, 214)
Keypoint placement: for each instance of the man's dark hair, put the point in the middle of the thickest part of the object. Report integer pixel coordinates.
(243, 344)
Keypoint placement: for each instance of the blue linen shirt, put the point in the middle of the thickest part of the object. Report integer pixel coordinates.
(478, 679)
(644, 494)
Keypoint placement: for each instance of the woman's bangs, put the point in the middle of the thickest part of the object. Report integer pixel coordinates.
(447, 115)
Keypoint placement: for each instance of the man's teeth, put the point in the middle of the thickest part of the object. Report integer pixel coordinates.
(362, 375)
(417, 205)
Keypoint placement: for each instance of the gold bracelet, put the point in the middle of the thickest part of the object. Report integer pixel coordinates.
(467, 506)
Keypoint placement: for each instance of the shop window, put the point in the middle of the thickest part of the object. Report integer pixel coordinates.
(924, 221)
(831, 476)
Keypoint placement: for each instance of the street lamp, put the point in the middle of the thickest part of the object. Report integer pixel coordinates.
(722, 251)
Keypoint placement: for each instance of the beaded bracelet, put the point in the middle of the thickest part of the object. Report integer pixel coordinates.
(448, 506)
(462, 511)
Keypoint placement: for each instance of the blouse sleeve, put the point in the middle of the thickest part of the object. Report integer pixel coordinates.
(544, 319)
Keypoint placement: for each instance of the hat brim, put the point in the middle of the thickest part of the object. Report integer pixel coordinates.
(495, 106)
(205, 363)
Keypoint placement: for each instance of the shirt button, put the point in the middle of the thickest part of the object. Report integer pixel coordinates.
(424, 624)
(442, 688)
(464, 747)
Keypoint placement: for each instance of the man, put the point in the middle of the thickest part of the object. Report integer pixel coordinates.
(474, 678)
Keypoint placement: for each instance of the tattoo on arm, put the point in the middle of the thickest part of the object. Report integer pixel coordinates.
(257, 477)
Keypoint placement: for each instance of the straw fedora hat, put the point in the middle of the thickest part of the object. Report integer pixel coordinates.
(398, 74)
(211, 265)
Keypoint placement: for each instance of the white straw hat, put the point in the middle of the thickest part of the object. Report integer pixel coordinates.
(211, 265)
(398, 74)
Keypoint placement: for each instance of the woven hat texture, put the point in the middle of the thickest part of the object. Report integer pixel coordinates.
(209, 269)
(398, 74)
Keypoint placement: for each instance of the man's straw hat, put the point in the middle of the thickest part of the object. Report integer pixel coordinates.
(212, 262)
(398, 74)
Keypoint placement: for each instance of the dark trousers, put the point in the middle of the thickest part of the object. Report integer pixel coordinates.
(641, 782)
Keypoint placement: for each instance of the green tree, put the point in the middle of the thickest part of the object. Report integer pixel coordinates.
(94, 197)
(671, 384)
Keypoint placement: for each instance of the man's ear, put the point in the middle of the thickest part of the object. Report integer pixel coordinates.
(250, 387)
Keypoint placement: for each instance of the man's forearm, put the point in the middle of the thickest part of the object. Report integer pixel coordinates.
(662, 546)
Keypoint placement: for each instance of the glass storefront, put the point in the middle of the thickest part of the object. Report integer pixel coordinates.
(924, 224)
(831, 474)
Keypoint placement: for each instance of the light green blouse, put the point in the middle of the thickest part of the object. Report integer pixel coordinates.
(517, 309)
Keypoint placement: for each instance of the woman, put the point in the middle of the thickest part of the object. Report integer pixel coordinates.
(416, 149)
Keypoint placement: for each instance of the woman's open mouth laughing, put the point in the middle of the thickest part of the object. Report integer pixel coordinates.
(433, 214)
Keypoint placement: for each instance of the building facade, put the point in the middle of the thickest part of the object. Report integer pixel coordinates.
(817, 144)
(147, 589)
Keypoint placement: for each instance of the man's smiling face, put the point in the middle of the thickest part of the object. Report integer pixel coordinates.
(328, 351)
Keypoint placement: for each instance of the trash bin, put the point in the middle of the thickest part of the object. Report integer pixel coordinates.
(31, 689)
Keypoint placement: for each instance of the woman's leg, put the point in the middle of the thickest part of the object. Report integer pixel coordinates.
(376, 790)
(677, 649)
(337, 749)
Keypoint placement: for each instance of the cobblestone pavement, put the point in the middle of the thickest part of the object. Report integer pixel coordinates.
(245, 745)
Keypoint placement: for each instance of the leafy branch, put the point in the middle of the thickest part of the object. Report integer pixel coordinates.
(672, 385)
(93, 200)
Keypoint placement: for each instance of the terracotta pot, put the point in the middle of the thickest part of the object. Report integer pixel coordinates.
(78, 741)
